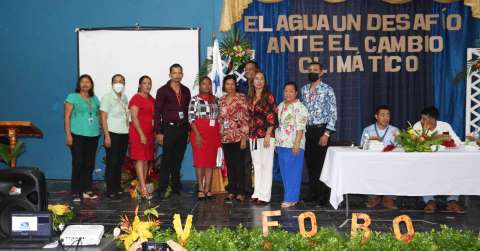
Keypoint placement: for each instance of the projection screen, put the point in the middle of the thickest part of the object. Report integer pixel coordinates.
(136, 52)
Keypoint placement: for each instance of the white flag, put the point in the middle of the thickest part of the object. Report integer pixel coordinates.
(217, 70)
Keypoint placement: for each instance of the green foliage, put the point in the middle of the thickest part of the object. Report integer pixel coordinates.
(62, 220)
(240, 238)
(7, 156)
(151, 212)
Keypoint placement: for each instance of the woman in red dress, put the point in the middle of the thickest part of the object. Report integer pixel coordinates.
(141, 134)
(205, 135)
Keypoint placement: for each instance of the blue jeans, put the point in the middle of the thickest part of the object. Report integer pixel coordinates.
(426, 199)
(291, 167)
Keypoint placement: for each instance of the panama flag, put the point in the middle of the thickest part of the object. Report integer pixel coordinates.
(217, 70)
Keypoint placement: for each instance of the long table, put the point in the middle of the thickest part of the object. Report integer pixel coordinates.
(349, 170)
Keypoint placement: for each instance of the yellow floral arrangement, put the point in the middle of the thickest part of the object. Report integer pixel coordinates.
(138, 230)
(62, 214)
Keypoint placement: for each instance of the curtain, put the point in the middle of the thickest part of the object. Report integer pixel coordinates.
(233, 9)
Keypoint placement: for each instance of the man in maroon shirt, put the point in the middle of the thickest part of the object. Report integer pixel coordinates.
(171, 128)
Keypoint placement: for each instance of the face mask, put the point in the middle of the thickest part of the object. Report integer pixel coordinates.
(313, 76)
(118, 87)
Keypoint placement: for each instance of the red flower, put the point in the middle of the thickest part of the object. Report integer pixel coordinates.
(389, 148)
(449, 143)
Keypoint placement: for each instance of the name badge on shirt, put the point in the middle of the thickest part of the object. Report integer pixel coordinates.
(180, 115)
(212, 122)
(90, 120)
(225, 124)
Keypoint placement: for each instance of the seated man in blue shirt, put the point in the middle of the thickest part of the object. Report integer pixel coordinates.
(382, 131)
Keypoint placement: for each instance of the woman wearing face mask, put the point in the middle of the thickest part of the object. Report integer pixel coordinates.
(82, 129)
(205, 135)
(141, 133)
(262, 121)
(115, 122)
(290, 143)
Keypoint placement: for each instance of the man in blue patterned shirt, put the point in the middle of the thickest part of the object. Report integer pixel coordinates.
(381, 130)
(319, 99)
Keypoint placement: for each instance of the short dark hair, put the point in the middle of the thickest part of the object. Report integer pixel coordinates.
(251, 62)
(381, 107)
(141, 79)
(232, 77)
(77, 88)
(291, 83)
(316, 63)
(430, 111)
(175, 66)
(118, 75)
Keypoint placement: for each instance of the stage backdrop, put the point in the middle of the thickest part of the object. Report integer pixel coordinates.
(374, 53)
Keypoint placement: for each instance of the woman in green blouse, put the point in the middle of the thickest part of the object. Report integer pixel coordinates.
(82, 128)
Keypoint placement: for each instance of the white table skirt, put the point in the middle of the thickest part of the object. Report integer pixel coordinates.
(352, 171)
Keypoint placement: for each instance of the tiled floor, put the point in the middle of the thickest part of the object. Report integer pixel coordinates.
(218, 213)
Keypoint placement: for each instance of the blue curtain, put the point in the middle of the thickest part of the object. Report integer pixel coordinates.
(449, 95)
(273, 65)
(359, 93)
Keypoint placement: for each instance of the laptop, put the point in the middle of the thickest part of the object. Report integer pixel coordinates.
(28, 230)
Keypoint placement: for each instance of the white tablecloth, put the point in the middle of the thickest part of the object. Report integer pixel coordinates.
(353, 171)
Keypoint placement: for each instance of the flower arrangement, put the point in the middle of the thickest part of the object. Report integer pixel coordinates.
(237, 48)
(62, 214)
(419, 140)
(138, 230)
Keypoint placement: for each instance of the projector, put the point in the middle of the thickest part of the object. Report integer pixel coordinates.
(82, 235)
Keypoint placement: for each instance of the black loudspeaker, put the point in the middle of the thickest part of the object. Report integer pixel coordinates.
(31, 197)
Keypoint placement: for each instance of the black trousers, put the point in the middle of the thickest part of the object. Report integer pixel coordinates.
(174, 146)
(315, 156)
(83, 151)
(235, 158)
(114, 160)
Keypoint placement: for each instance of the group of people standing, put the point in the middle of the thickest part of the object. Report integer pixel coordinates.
(245, 123)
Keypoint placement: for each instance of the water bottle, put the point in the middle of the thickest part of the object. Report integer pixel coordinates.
(366, 142)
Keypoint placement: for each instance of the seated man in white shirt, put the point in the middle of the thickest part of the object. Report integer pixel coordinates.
(381, 130)
(428, 121)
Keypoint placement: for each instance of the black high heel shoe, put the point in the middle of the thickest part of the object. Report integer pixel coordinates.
(210, 196)
(200, 195)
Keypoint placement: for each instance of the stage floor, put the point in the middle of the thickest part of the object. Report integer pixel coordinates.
(218, 213)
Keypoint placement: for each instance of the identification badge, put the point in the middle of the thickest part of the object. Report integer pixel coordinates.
(90, 120)
(225, 124)
(180, 115)
(212, 122)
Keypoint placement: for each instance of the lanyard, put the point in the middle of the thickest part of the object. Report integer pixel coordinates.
(179, 96)
(89, 103)
(378, 135)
